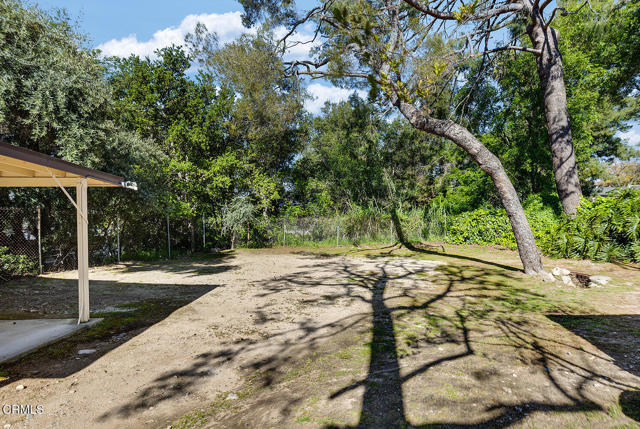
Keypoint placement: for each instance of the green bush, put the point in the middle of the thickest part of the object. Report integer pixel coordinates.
(15, 265)
(605, 229)
(481, 226)
(492, 226)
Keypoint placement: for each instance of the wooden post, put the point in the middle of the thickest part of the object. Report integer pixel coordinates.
(83, 251)
(118, 238)
(168, 238)
(39, 240)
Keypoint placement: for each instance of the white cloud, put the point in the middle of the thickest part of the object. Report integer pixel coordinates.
(300, 43)
(227, 26)
(632, 136)
(324, 93)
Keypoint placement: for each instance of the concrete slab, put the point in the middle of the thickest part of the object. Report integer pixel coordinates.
(19, 337)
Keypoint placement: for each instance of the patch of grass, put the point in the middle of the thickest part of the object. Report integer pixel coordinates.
(329, 421)
(303, 419)
(614, 411)
(344, 354)
(450, 392)
(144, 313)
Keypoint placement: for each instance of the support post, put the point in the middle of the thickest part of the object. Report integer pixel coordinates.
(83, 251)
(338, 236)
(204, 234)
(39, 240)
(118, 238)
(168, 237)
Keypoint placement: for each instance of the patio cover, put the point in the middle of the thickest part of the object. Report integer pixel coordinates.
(20, 167)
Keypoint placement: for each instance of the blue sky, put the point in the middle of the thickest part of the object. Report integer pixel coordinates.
(140, 26)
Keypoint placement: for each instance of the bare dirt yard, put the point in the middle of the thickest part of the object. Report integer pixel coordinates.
(328, 338)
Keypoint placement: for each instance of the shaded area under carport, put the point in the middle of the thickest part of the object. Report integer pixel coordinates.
(19, 337)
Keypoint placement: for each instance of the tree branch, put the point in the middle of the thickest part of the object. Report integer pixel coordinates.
(508, 8)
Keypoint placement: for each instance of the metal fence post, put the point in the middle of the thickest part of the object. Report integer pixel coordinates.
(284, 239)
(168, 238)
(39, 241)
(118, 237)
(445, 226)
(204, 234)
(338, 235)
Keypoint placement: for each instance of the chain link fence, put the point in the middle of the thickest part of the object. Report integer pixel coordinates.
(19, 232)
(44, 239)
(352, 229)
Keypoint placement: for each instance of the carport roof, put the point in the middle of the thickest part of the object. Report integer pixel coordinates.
(23, 167)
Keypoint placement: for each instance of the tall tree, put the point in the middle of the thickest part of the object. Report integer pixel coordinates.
(473, 27)
(478, 22)
(387, 44)
(267, 123)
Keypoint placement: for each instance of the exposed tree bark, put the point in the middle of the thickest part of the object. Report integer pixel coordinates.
(490, 164)
(551, 75)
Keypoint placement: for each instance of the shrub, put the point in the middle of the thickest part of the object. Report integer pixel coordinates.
(481, 226)
(605, 229)
(365, 224)
(15, 265)
(492, 226)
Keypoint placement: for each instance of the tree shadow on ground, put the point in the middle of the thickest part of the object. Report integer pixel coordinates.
(468, 306)
(421, 248)
(204, 263)
(617, 335)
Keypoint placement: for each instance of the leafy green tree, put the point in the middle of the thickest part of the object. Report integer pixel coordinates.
(361, 158)
(239, 214)
(386, 46)
(188, 120)
(268, 118)
(54, 98)
(344, 152)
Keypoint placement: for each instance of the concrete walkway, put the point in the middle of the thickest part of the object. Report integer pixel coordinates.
(18, 337)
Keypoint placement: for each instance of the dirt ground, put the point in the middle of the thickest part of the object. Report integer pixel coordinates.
(327, 338)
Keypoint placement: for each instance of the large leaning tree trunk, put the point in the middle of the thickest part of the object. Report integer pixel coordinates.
(490, 164)
(551, 75)
(482, 16)
(380, 41)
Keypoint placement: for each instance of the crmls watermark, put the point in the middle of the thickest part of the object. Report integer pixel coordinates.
(21, 409)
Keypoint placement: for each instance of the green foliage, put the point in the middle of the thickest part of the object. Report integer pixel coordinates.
(15, 265)
(481, 226)
(490, 226)
(435, 219)
(606, 229)
(365, 223)
(238, 215)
